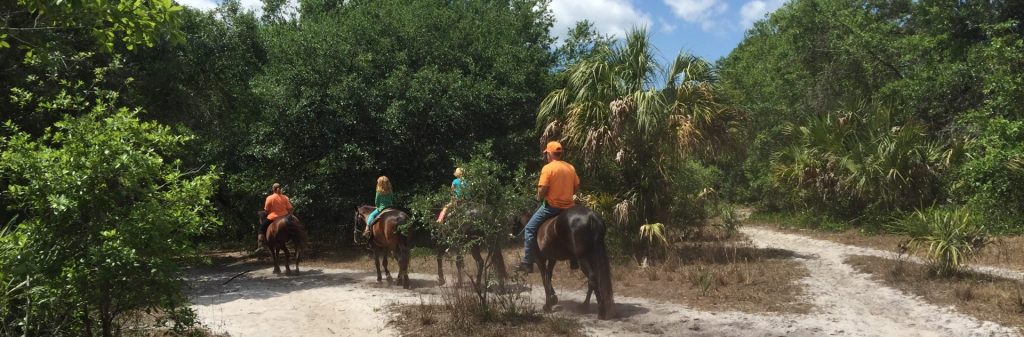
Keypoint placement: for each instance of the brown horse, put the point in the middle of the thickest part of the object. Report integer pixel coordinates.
(460, 216)
(576, 233)
(386, 238)
(281, 231)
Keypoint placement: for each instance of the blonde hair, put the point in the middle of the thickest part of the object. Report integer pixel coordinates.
(383, 185)
(458, 172)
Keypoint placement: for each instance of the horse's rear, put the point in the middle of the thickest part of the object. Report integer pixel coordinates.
(577, 233)
(279, 233)
(388, 237)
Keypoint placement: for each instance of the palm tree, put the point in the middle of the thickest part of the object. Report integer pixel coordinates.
(612, 113)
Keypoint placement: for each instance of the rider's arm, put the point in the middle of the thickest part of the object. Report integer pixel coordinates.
(542, 192)
(266, 205)
(576, 186)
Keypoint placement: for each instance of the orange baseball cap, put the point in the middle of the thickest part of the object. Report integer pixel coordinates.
(553, 147)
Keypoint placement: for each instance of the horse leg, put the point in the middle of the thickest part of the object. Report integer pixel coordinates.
(547, 269)
(440, 267)
(481, 279)
(273, 254)
(376, 262)
(403, 266)
(460, 265)
(591, 281)
(287, 260)
(297, 249)
(384, 262)
(498, 262)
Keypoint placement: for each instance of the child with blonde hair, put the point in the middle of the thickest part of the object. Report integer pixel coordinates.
(458, 184)
(383, 198)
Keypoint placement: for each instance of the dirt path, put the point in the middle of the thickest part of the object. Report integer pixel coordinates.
(339, 302)
(861, 306)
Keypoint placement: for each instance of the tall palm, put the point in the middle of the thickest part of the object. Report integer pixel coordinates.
(612, 113)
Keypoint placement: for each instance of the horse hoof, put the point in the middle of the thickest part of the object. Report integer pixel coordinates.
(277, 271)
(440, 282)
(547, 308)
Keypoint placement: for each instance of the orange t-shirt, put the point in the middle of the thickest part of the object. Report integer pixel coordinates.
(277, 205)
(561, 179)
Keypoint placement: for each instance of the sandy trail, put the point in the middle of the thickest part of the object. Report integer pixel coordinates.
(860, 306)
(339, 302)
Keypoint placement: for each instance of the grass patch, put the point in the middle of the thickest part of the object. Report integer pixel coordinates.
(982, 296)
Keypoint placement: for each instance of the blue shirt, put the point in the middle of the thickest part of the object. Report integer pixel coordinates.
(457, 187)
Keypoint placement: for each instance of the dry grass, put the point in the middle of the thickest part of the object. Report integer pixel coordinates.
(717, 276)
(460, 314)
(982, 296)
(1004, 252)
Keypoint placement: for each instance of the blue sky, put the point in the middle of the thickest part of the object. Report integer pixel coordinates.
(706, 28)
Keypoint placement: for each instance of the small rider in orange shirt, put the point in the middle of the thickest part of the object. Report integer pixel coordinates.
(276, 206)
(558, 183)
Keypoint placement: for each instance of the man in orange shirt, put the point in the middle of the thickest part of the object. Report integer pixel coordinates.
(558, 183)
(276, 206)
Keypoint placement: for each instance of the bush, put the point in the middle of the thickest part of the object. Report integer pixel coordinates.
(105, 220)
(952, 236)
(860, 166)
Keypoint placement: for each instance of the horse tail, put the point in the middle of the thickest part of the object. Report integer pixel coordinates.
(299, 234)
(602, 269)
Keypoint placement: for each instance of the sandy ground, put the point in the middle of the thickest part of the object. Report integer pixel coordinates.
(336, 302)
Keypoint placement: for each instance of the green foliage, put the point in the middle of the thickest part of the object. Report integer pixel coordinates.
(991, 177)
(493, 195)
(952, 236)
(946, 71)
(441, 77)
(851, 164)
(107, 215)
(108, 22)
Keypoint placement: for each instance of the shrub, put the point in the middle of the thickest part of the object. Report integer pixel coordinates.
(952, 236)
(105, 220)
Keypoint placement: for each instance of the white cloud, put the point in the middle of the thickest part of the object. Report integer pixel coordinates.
(756, 10)
(707, 13)
(200, 4)
(666, 27)
(614, 17)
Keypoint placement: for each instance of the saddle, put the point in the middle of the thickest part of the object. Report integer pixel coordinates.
(382, 213)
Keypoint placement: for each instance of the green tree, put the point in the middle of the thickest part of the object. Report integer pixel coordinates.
(437, 78)
(107, 214)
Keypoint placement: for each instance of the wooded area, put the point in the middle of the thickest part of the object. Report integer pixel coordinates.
(138, 133)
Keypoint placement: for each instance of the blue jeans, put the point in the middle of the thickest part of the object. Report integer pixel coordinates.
(373, 216)
(530, 232)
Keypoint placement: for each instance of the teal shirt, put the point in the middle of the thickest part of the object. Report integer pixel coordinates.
(383, 201)
(457, 187)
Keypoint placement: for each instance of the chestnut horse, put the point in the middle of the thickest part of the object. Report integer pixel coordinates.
(386, 238)
(576, 233)
(281, 231)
